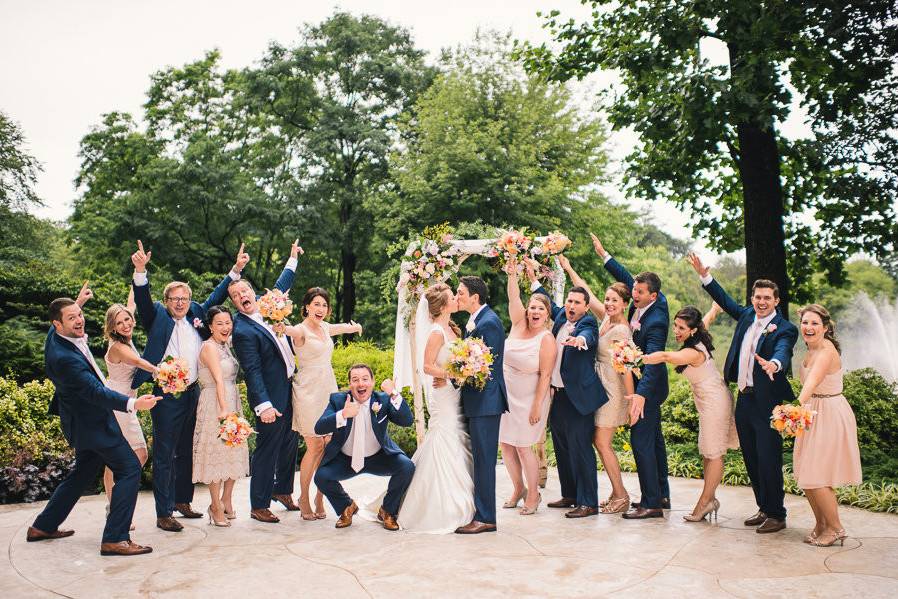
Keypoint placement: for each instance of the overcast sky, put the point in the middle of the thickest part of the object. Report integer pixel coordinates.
(66, 63)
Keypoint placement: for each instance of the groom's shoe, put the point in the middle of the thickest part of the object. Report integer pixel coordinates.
(345, 518)
(641, 513)
(264, 515)
(771, 525)
(756, 520)
(187, 511)
(169, 524)
(286, 501)
(564, 502)
(124, 548)
(665, 503)
(475, 527)
(35, 534)
(388, 520)
(582, 511)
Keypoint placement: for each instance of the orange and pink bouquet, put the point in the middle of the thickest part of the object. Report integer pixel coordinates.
(234, 430)
(173, 375)
(555, 243)
(791, 420)
(469, 362)
(275, 306)
(511, 244)
(626, 357)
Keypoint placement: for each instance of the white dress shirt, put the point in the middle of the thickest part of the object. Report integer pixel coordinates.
(472, 320)
(286, 354)
(185, 342)
(563, 333)
(361, 442)
(81, 344)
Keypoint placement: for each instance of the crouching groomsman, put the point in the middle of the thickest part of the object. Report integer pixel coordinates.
(174, 328)
(357, 422)
(84, 405)
(757, 362)
(268, 366)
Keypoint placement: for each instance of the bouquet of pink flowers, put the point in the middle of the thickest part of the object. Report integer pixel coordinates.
(234, 430)
(555, 243)
(511, 244)
(469, 362)
(626, 357)
(791, 420)
(173, 375)
(427, 261)
(275, 306)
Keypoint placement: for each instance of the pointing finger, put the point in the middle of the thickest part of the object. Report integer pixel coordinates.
(240, 251)
(140, 245)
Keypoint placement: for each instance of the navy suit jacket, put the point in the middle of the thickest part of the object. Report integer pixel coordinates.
(492, 400)
(776, 345)
(650, 337)
(578, 367)
(260, 357)
(84, 404)
(159, 324)
(327, 424)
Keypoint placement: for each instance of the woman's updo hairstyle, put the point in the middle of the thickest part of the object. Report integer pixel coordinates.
(621, 290)
(310, 296)
(437, 297)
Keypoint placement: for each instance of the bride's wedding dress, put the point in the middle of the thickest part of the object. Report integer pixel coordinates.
(441, 496)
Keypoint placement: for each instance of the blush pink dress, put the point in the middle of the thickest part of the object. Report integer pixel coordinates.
(827, 455)
(521, 371)
(714, 402)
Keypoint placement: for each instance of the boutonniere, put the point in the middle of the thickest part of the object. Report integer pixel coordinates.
(375, 407)
(636, 326)
(470, 326)
(769, 329)
(197, 323)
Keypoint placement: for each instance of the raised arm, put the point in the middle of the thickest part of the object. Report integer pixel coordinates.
(595, 304)
(711, 315)
(537, 288)
(219, 295)
(516, 310)
(84, 295)
(285, 281)
(713, 288)
(617, 270)
(146, 312)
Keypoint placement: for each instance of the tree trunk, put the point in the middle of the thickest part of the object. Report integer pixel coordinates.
(762, 205)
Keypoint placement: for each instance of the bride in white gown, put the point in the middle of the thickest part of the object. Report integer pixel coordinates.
(441, 495)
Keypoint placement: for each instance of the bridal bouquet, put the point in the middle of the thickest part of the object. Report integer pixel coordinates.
(469, 362)
(626, 357)
(173, 375)
(234, 430)
(791, 420)
(275, 306)
(511, 244)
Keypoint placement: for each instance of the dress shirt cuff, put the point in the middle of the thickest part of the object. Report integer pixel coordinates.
(396, 400)
(291, 264)
(778, 365)
(262, 407)
(131, 401)
(341, 420)
(235, 276)
(140, 278)
(606, 258)
(535, 285)
(706, 280)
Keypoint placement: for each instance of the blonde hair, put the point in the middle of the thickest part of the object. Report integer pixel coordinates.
(826, 320)
(175, 285)
(544, 300)
(436, 300)
(112, 313)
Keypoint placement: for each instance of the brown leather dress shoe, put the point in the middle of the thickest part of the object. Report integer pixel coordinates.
(286, 501)
(388, 520)
(345, 518)
(187, 511)
(264, 515)
(756, 520)
(475, 527)
(641, 513)
(169, 524)
(124, 548)
(771, 525)
(563, 502)
(35, 534)
(582, 511)
(665, 503)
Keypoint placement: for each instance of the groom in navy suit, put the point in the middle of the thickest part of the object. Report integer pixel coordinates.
(268, 364)
(759, 357)
(360, 444)
(84, 405)
(577, 393)
(650, 321)
(484, 407)
(174, 328)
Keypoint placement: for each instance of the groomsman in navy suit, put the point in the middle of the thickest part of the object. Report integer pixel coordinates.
(174, 328)
(84, 405)
(759, 358)
(268, 366)
(360, 444)
(650, 321)
(484, 408)
(577, 393)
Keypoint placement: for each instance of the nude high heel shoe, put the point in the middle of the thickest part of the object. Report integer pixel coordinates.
(710, 510)
(224, 523)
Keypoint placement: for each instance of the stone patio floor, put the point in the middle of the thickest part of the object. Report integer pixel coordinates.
(545, 555)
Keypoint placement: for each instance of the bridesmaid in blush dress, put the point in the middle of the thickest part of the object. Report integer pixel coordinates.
(528, 360)
(827, 454)
(312, 386)
(612, 313)
(713, 401)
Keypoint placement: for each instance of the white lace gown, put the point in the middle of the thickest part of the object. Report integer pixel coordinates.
(441, 495)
